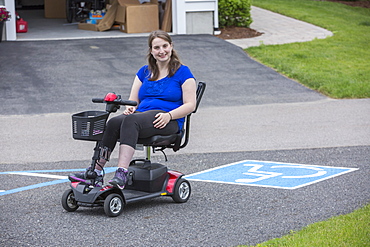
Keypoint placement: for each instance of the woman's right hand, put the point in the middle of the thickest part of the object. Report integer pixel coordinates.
(129, 110)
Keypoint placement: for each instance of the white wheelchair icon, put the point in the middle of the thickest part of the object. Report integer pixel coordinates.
(259, 175)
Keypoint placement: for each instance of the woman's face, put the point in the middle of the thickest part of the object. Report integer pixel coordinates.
(161, 50)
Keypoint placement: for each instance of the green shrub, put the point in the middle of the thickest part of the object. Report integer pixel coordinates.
(234, 13)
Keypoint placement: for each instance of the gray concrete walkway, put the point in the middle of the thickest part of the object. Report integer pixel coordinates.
(279, 29)
(286, 126)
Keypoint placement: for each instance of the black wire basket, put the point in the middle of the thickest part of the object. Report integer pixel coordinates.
(89, 125)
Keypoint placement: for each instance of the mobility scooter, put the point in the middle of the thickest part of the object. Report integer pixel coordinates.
(145, 179)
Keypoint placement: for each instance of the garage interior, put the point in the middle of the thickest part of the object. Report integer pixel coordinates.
(41, 28)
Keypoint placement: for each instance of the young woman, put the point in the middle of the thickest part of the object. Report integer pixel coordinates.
(165, 90)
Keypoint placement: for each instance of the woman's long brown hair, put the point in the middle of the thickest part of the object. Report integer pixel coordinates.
(174, 63)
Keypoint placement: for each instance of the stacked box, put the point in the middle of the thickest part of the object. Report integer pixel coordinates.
(137, 18)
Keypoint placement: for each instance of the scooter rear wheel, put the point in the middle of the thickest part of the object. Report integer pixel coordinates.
(181, 191)
(113, 205)
(68, 201)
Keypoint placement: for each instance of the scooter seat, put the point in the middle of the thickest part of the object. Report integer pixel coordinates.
(174, 141)
(159, 140)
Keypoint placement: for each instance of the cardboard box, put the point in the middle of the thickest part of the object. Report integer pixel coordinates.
(108, 20)
(55, 9)
(136, 17)
(166, 24)
(88, 26)
(120, 14)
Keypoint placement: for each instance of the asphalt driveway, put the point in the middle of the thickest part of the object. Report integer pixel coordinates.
(249, 112)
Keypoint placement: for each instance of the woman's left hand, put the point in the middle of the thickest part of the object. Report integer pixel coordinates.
(162, 119)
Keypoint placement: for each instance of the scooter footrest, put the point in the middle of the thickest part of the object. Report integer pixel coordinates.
(82, 204)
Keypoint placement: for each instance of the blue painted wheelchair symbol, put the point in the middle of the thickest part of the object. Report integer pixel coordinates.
(269, 174)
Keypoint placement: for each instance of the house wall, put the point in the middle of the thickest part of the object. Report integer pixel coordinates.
(183, 9)
(10, 33)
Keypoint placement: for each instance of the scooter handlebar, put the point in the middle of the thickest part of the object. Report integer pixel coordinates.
(116, 101)
(98, 100)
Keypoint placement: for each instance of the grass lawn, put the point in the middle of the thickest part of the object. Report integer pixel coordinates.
(351, 230)
(338, 66)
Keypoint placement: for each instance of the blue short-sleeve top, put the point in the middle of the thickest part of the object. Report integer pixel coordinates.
(164, 94)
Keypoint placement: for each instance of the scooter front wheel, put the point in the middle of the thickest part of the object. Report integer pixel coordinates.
(113, 205)
(68, 201)
(181, 191)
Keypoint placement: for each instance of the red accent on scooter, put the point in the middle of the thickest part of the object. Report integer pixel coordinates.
(107, 187)
(174, 175)
(110, 97)
(74, 184)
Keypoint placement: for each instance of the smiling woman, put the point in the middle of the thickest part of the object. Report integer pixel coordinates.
(161, 50)
(165, 91)
(162, 58)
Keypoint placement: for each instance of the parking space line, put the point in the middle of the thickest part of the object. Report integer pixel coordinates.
(34, 186)
(39, 175)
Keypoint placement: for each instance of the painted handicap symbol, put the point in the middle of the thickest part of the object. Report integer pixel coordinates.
(261, 175)
(269, 174)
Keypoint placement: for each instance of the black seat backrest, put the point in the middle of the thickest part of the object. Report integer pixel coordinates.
(174, 141)
(200, 90)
